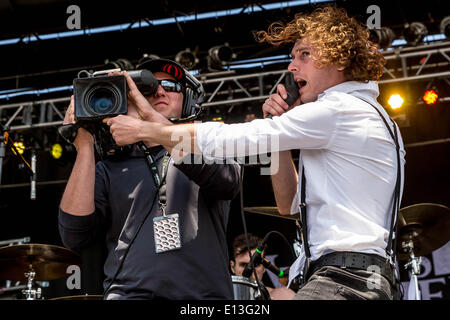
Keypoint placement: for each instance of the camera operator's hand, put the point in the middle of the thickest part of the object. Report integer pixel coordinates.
(125, 129)
(84, 138)
(139, 105)
(276, 104)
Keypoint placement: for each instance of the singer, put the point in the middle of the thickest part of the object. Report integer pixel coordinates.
(124, 198)
(350, 177)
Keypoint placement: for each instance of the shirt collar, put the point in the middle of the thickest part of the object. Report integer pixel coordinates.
(369, 89)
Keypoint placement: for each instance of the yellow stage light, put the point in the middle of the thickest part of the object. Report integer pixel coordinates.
(20, 147)
(218, 119)
(395, 101)
(56, 151)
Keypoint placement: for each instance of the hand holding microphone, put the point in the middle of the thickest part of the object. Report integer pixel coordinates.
(285, 98)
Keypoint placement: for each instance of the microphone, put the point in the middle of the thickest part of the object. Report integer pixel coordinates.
(33, 176)
(254, 261)
(291, 90)
(268, 265)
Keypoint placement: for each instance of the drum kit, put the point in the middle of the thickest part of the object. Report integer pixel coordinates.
(421, 229)
(33, 262)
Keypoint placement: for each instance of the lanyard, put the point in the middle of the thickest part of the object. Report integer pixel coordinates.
(160, 182)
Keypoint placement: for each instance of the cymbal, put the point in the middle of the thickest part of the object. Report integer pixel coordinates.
(272, 211)
(427, 225)
(49, 262)
(81, 297)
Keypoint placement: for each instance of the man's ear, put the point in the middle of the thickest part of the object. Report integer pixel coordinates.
(232, 265)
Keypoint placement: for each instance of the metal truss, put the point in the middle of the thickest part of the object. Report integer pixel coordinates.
(228, 89)
(417, 63)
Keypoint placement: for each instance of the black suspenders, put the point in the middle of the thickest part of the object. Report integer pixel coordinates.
(395, 207)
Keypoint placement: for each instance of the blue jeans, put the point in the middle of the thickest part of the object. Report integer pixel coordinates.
(333, 283)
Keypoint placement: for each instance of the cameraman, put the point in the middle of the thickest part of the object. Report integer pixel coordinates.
(119, 199)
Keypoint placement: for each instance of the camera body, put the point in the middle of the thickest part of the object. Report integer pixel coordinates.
(98, 95)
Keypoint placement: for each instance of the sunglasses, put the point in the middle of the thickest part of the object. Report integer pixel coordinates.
(170, 85)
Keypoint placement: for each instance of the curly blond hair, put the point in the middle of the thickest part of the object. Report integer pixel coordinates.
(339, 40)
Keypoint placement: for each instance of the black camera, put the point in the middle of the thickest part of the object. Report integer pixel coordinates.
(98, 95)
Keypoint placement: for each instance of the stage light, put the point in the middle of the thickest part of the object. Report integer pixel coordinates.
(430, 97)
(218, 119)
(19, 146)
(56, 151)
(414, 33)
(383, 37)
(395, 101)
(146, 57)
(122, 64)
(445, 27)
(186, 58)
(220, 56)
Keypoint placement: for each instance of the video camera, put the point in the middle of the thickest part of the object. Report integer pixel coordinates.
(98, 96)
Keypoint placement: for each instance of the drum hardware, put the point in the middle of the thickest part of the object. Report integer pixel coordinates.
(414, 270)
(31, 293)
(247, 289)
(14, 241)
(33, 262)
(422, 228)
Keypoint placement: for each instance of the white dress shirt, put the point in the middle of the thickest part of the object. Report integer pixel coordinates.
(349, 159)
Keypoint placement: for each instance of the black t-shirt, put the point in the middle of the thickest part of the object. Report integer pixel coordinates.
(126, 199)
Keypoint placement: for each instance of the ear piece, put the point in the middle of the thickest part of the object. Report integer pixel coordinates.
(193, 97)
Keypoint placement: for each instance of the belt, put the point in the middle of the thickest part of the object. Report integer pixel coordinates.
(356, 260)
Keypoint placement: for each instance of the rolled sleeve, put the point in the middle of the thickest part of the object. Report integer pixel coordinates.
(76, 231)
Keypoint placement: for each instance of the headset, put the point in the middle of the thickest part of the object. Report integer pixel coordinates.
(193, 95)
(193, 91)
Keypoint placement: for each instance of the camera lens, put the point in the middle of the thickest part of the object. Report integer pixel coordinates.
(102, 100)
